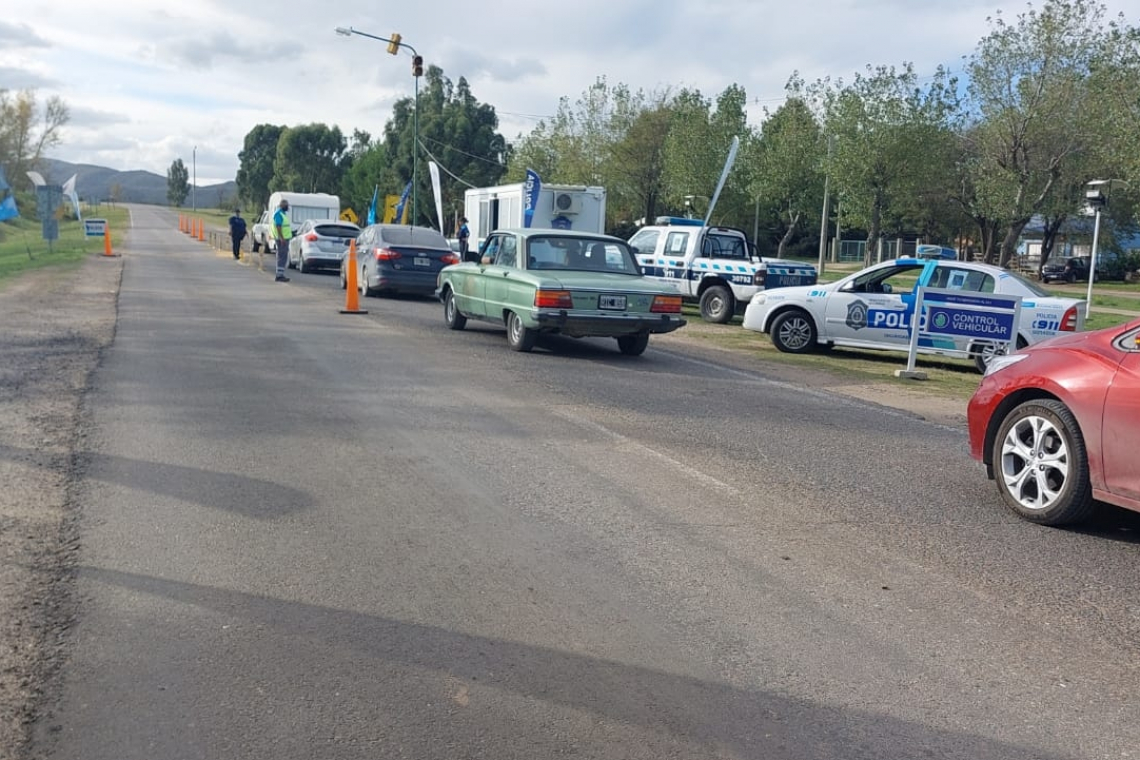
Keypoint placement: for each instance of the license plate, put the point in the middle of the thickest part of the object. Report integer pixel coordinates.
(615, 303)
(422, 261)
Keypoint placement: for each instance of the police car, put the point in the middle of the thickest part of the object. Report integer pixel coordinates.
(874, 308)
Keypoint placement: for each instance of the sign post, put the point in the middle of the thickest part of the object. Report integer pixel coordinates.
(988, 319)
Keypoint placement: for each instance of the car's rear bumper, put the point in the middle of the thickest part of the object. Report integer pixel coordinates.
(404, 281)
(322, 259)
(606, 325)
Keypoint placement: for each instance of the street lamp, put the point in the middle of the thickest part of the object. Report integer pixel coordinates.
(394, 44)
(1097, 197)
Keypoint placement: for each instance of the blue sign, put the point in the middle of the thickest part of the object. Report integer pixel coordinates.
(531, 190)
(560, 223)
(94, 227)
(968, 323)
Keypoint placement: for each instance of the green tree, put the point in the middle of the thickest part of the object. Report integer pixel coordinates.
(787, 166)
(256, 159)
(309, 159)
(177, 183)
(882, 126)
(27, 131)
(456, 131)
(1030, 97)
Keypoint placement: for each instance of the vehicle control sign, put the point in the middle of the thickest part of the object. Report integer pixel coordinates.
(946, 320)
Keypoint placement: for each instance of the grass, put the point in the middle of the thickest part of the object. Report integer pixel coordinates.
(22, 247)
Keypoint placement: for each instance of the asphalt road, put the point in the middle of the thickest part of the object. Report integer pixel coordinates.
(314, 535)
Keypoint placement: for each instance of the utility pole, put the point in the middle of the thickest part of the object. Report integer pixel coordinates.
(194, 187)
(826, 203)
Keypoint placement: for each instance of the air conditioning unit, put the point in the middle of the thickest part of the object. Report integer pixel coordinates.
(567, 203)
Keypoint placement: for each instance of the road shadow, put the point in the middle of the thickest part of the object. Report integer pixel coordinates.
(256, 498)
(695, 718)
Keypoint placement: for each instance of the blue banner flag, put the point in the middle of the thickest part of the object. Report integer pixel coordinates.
(400, 205)
(372, 208)
(7, 204)
(531, 190)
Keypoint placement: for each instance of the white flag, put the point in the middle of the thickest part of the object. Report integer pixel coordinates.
(435, 186)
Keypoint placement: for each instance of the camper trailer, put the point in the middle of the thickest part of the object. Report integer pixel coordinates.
(568, 207)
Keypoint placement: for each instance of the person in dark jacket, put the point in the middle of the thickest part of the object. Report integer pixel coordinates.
(237, 232)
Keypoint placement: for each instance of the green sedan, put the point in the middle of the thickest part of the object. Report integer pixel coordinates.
(578, 284)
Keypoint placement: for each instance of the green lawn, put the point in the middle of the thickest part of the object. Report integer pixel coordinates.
(23, 248)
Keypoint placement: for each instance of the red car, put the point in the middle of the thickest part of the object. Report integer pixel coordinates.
(1057, 425)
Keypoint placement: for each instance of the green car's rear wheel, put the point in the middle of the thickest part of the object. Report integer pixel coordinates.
(519, 337)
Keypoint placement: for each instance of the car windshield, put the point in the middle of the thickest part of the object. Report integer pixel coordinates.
(570, 253)
(336, 230)
(417, 236)
(1029, 285)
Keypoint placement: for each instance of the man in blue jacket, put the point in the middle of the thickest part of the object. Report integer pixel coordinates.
(237, 232)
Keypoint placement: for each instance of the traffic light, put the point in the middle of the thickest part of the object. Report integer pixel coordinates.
(394, 44)
(417, 65)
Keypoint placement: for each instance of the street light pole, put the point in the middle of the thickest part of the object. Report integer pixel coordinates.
(394, 42)
(194, 187)
(1098, 199)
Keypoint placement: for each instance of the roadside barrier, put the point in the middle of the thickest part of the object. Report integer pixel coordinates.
(351, 288)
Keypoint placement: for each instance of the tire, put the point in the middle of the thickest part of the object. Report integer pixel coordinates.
(451, 315)
(301, 266)
(253, 246)
(343, 278)
(633, 345)
(365, 291)
(794, 332)
(717, 304)
(1041, 466)
(519, 337)
(983, 354)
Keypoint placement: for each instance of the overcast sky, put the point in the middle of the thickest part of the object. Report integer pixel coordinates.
(146, 82)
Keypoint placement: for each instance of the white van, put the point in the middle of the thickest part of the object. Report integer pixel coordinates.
(302, 207)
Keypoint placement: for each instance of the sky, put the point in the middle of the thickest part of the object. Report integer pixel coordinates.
(149, 82)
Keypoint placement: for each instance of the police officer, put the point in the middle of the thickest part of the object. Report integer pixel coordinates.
(282, 232)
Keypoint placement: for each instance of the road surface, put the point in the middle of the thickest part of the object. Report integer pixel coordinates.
(314, 535)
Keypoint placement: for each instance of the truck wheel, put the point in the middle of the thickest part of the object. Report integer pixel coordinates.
(717, 305)
(519, 337)
(633, 345)
(793, 332)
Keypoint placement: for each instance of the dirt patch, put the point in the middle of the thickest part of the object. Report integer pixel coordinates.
(55, 324)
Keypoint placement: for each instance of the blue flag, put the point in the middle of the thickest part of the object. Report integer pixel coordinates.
(8, 208)
(531, 190)
(403, 201)
(372, 208)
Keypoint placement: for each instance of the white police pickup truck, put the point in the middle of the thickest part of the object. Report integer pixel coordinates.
(714, 266)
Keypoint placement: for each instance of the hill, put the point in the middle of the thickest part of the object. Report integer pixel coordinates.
(95, 183)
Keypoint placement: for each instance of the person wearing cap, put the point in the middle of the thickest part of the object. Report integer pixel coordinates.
(464, 236)
(237, 232)
(282, 231)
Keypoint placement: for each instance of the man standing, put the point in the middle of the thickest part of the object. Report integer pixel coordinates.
(282, 231)
(237, 232)
(464, 236)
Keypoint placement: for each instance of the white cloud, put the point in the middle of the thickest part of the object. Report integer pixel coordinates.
(166, 78)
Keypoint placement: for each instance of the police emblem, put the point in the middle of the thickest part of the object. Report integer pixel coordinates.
(856, 315)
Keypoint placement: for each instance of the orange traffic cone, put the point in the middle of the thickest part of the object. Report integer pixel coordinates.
(351, 288)
(201, 230)
(107, 240)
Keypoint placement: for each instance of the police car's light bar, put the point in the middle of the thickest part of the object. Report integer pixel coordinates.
(678, 221)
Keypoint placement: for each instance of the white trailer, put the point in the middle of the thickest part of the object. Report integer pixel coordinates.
(569, 207)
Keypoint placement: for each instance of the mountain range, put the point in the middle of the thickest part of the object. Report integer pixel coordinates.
(94, 183)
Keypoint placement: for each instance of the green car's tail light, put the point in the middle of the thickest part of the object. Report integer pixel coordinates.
(666, 305)
(553, 299)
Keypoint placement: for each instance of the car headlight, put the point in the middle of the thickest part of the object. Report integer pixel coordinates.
(1001, 361)
(759, 299)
